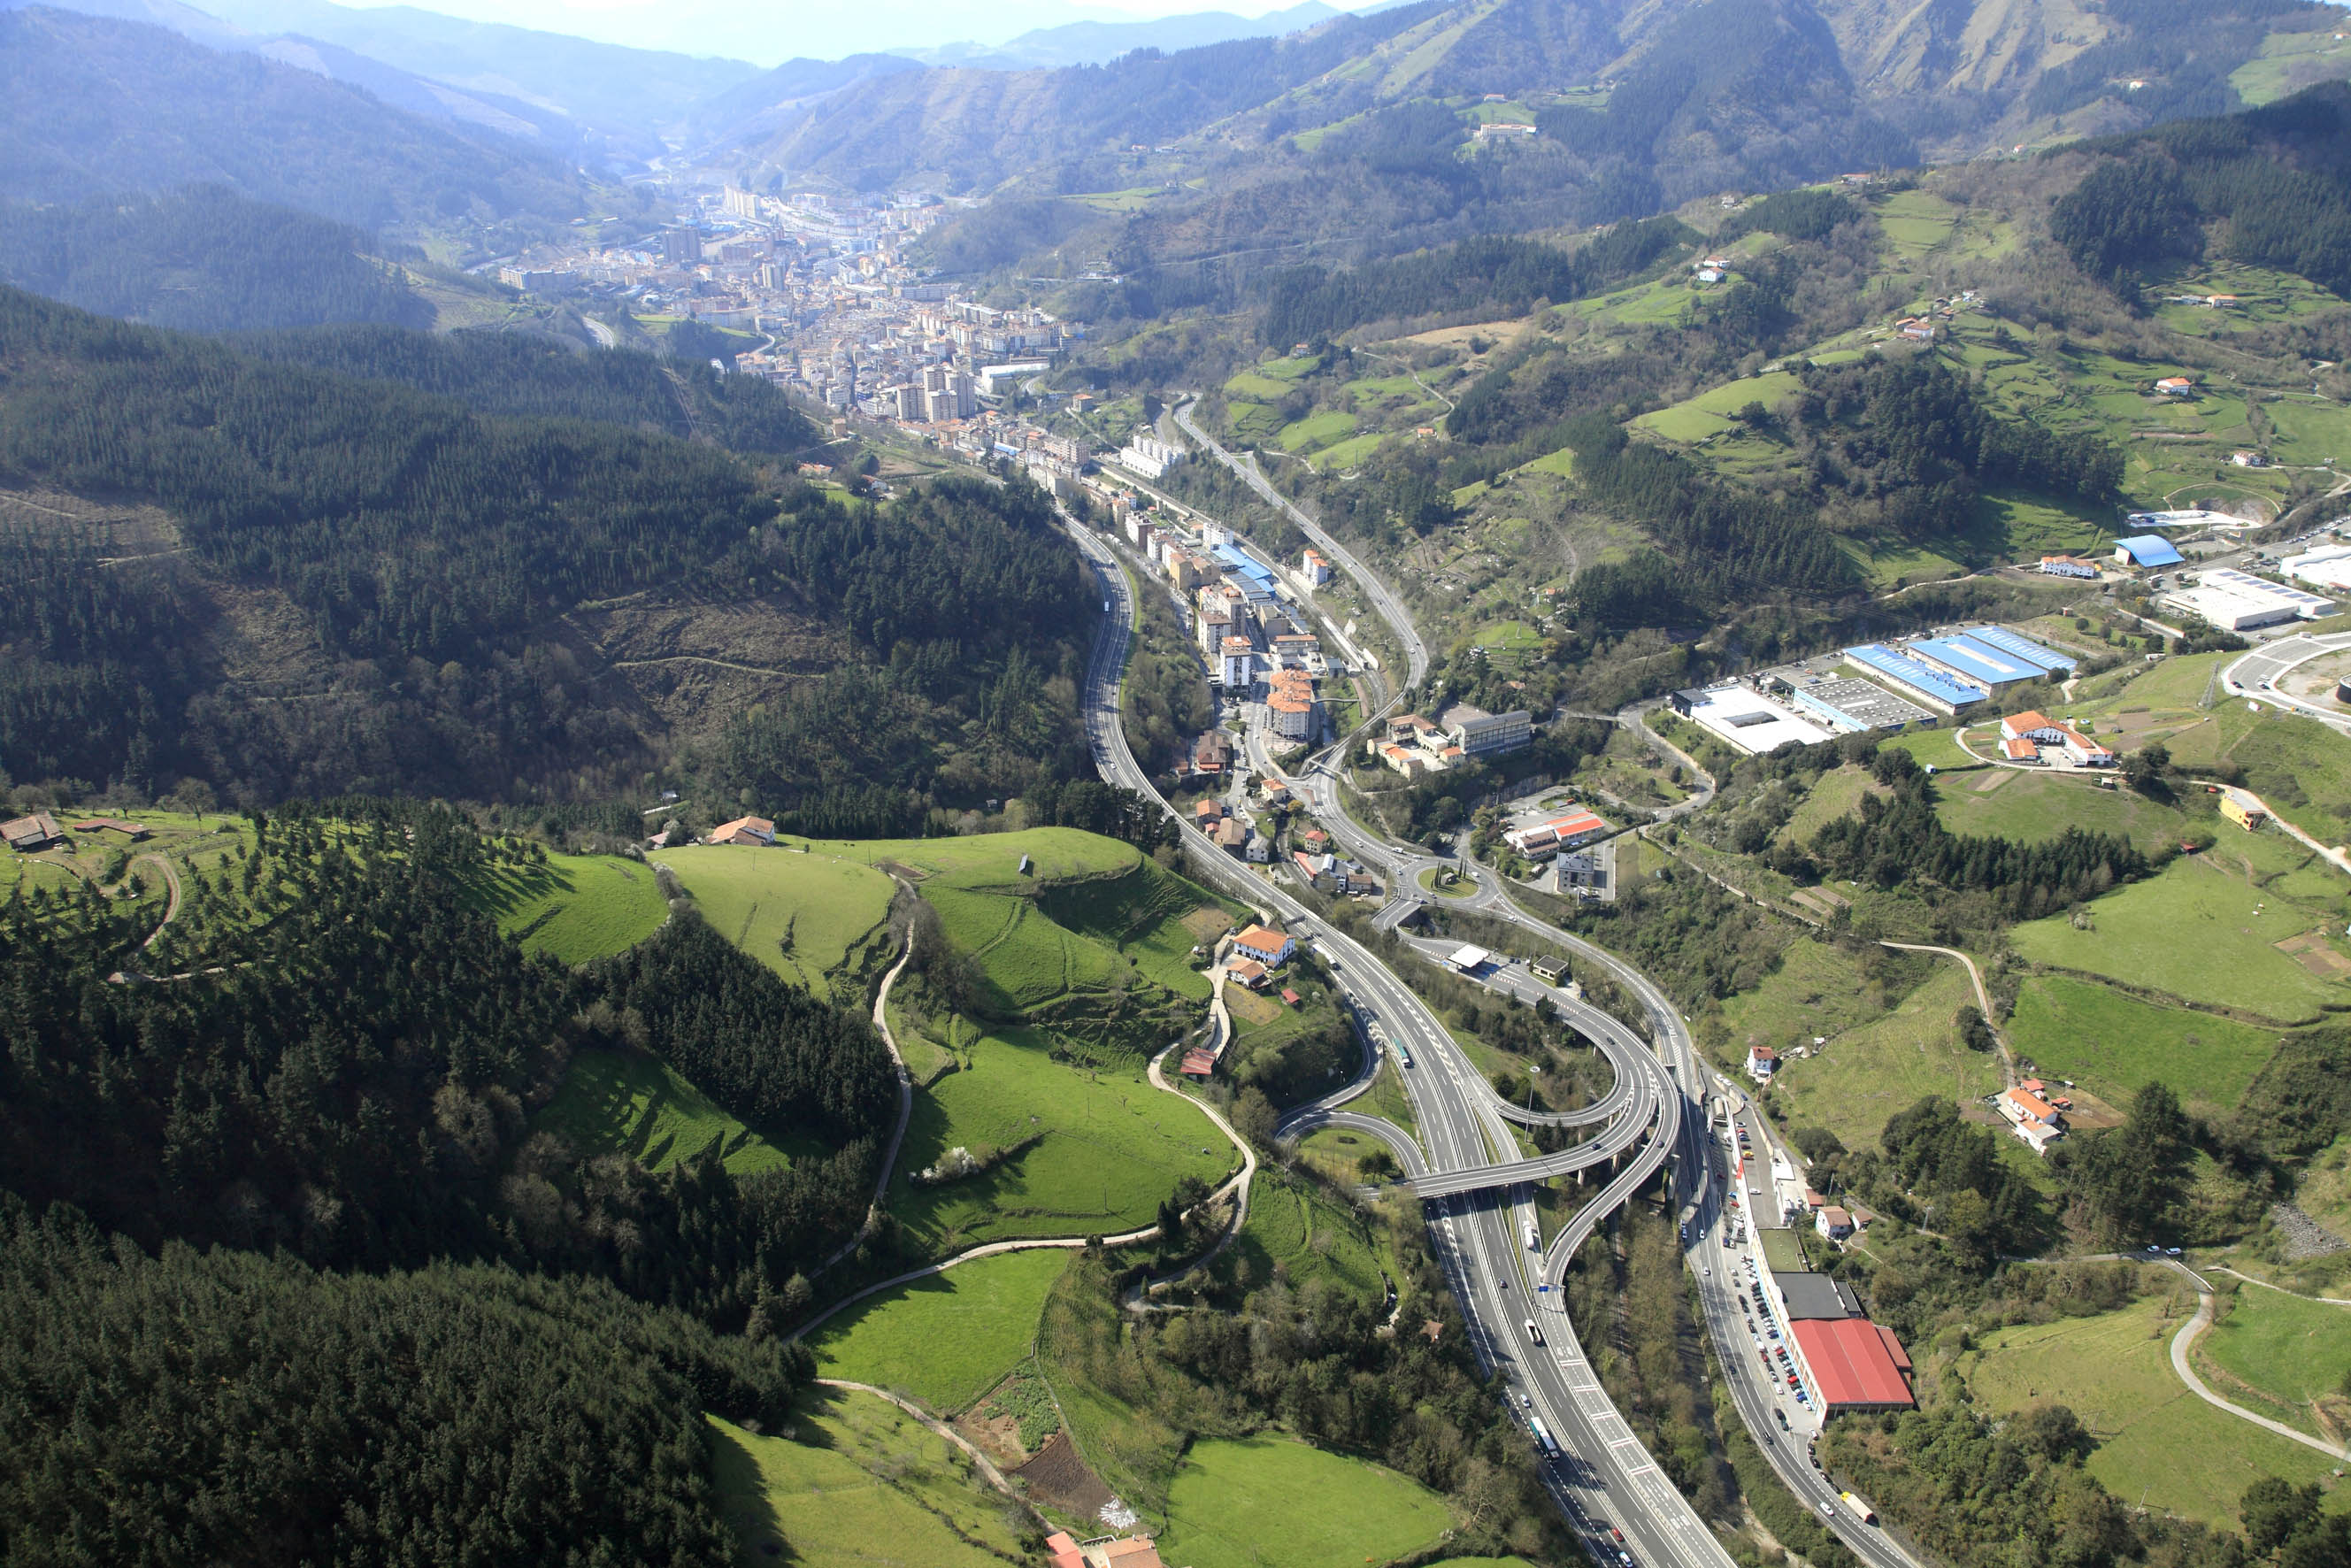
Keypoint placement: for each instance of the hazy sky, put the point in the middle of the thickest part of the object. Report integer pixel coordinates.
(765, 31)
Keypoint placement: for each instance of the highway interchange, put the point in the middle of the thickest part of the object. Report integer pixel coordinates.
(1470, 1171)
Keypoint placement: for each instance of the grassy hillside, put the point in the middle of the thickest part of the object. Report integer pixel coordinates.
(1083, 1149)
(818, 920)
(856, 1481)
(947, 1339)
(610, 1103)
(1270, 1502)
(573, 907)
(2114, 1371)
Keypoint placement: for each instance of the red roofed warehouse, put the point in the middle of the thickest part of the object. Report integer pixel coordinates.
(1853, 1365)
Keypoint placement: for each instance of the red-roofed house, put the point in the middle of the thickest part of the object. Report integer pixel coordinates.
(1064, 1551)
(2033, 1119)
(1762, 1063)
(744, 831)
(1271, 949)
(2019, 750)
(1135, 1552)
(1290, 997)
(1832, 1222)
(1199, 1064)
(1247, 971)
(2040, 728)
(1851, 1363)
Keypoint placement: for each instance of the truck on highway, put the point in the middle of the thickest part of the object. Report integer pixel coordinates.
(1867, 1514)
(1534, 1237)
(1542, 1438)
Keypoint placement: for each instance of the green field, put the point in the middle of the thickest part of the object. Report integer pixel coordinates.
(2010, 803)
(613, 1101)
(1143, 915)
(1028, 958)
(1317, 431)
(2113, 1045)
(1305, 1238)
(1938, 748)
(811, 918)
(1783, 1250)
(1346, 453)
(1108, 1146)
(1709, 413)
(1269, 1502)
(2191, 931)
(574, 907)
(1863, 1076)
(858, 1481)
(2285, 1350)
(945, 1339)
(2159, 1444)
(1835, 794)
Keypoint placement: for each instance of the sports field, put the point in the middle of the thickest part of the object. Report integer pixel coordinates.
(2197, 930)
(803, 915)
(858, 1481)
(1269, 1502)
(945, 1339)
(574, 907)
(617, 1102)
(2115, 1044)
(1107, 1147)
(2158, 1444)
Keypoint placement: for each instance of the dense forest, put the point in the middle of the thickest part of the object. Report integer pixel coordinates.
(229, 1406)
(431, 510)
(1495, 277)
(204, 259)
(288, 1256)
(530, 376)
(2279, 175)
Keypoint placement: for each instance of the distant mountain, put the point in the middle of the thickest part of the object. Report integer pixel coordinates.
(587, 101)
(1095, 43)
(91, 105)
(763, 107)
(622, 92)
(1360, 134)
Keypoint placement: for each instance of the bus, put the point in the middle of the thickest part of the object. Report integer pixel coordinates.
(1542, 1438)
(1867, 1514)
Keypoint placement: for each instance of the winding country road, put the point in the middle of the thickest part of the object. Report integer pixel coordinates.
(2182, 1342)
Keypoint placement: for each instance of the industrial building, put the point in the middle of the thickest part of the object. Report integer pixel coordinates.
(1846, 704)
(1978, 664)
(2329, 567)
(2238, 601)
(1746, 718)
(2021, 647)
(1851, 1364)
(2146, 551)
(1481, 734)
(1920, 682)
(1546, 839)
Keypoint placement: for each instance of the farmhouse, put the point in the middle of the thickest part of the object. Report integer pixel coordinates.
(1762, 1063)
(2032, 1119)
(744, 831)
(134, 831)
(2243, 808)
(1832, 1222)
(26, 834)
(1271, 949)
(2037, 730)
(1247, 971)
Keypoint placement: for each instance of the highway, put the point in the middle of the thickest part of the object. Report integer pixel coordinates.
(1606, 1482)
(1381, 597)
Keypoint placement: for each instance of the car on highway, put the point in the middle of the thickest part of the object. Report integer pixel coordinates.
(1827, 1512)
